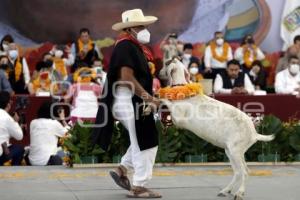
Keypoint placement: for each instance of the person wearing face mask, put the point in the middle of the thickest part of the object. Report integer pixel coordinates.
(61, 64)
(19, 76)
(4, 44)
(84, 50)
(195, 75)
(217, 54)
(233, 81)
(258, 75)
(288, 80)
(248, 52)
(4, 82)
(187, 57)
(128, 91)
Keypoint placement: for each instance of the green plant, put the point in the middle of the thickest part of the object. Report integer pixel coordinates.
(295, 138)
(78, 143)
(168, 143)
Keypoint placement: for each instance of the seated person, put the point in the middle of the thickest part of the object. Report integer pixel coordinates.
(187, 58)
(258, 75)
(233, 81)
(84, 95)
(44, 134)
(9, 128)
(288, 80)
(42, 80)
(195, 75)
(4, 82)
(84, 50)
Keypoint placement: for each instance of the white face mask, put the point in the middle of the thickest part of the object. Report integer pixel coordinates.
(187, 56)
(13, 54)
(143, 36)
(58, 53)
(220, 41)
(193, 70)
(5, 47)
(294, 69)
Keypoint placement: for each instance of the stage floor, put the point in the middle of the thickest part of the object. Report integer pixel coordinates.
(201, 183)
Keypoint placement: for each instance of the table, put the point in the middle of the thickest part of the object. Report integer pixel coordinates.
(284, 107)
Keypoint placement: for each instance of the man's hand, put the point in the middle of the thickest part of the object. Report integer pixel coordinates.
(16, 117)
(239, 90)
(208, 70)
(243, 90)
(61, 114)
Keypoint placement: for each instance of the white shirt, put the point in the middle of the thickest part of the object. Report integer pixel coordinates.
(9, 128)
(218, 85)
(73, 50)
(285, 83)
(210, 62)
(44, 134)
(239, 55)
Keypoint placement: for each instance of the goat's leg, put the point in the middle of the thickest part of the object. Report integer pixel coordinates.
(239, 159)
(229, 187)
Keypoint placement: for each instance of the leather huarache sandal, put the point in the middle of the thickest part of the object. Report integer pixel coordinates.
(141, 192)
(120, 177)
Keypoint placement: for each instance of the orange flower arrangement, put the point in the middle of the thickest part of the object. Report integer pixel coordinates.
(224, 56)
(180, 92)
(247, 55)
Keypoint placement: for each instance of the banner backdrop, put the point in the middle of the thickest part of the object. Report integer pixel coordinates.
(290, 23)
(58, 21)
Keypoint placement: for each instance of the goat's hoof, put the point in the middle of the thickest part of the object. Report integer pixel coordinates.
(238, 197)
(221, 194)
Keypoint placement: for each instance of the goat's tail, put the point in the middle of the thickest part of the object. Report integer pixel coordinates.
(265, 138)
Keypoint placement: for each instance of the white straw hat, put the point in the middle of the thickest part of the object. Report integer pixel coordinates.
(132, 18)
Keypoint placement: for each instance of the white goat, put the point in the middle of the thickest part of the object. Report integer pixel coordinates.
(218, 123)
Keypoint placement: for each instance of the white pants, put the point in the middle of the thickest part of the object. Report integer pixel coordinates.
(142, 162)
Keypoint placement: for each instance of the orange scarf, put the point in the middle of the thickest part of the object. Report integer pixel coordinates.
(224, 56)
(90, 45)
(18, 69)
(247, 55)
(60, 67)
